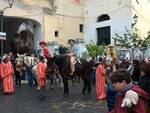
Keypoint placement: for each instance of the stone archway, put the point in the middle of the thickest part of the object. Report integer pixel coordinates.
(24, 42)
(11, 27)
(24, 39)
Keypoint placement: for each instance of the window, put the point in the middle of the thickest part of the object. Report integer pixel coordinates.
(56, 33)
(103, 18)
(81, 28)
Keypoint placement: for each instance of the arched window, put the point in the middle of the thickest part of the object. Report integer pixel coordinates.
(103, 17)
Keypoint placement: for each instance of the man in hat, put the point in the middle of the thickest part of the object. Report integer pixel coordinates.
(45, 51)
(6, 73)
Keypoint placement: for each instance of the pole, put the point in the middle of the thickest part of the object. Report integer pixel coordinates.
(2, 23)
(2, 31)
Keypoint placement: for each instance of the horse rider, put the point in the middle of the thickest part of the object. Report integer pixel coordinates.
(45, 52)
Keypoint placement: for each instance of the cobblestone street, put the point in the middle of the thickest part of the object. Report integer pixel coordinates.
(25, 101)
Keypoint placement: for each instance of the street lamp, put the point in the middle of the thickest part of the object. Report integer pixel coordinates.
(10, 2)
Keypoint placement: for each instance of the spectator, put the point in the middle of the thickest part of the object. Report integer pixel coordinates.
(136, 71)
(144, 82)
(131, 98)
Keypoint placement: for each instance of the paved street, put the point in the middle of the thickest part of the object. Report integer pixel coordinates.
(25, 101)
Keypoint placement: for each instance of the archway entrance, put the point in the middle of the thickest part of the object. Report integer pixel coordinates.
(21, 34)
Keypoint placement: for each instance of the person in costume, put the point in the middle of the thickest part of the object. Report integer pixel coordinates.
(100, 80)
(45, 51)
(6, 73)
(41, 76)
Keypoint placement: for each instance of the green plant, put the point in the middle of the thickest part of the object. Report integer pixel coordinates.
(144, 44)
(132, 40)
(128, 40)
(93, 50)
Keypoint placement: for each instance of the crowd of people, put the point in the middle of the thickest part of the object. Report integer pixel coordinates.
(124, 85)
(11, 67)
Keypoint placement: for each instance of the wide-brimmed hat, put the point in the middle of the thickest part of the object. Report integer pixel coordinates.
(42, 42)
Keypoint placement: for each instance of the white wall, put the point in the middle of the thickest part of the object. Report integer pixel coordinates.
(142, 10)
(120, 13)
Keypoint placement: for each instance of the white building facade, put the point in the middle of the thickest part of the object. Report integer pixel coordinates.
(105, 18)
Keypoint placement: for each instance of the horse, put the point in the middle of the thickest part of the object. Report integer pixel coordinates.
(70, 66)
(82, 69)
(52, 73)
(65, 66)
(30, 64)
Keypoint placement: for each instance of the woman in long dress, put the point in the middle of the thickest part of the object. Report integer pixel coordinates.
(100, 80)
(6, 73)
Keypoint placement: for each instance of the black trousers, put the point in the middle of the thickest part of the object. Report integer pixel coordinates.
(18, 78)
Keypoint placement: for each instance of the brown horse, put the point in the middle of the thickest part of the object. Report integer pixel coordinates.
(82, 69)
(65, 66)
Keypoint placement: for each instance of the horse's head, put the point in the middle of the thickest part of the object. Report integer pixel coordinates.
(20, 59)
(27, 61)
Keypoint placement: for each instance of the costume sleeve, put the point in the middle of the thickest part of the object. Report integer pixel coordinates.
(46, 52)
(2, 70)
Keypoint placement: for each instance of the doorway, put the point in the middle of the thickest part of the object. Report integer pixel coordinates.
(103, 35)
(16, 37)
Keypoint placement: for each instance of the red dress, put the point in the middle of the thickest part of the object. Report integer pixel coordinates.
(41, 74)
(6, 73)
(100, 82)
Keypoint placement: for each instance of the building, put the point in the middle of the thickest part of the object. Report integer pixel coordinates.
(105, 18)
(30, 21)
